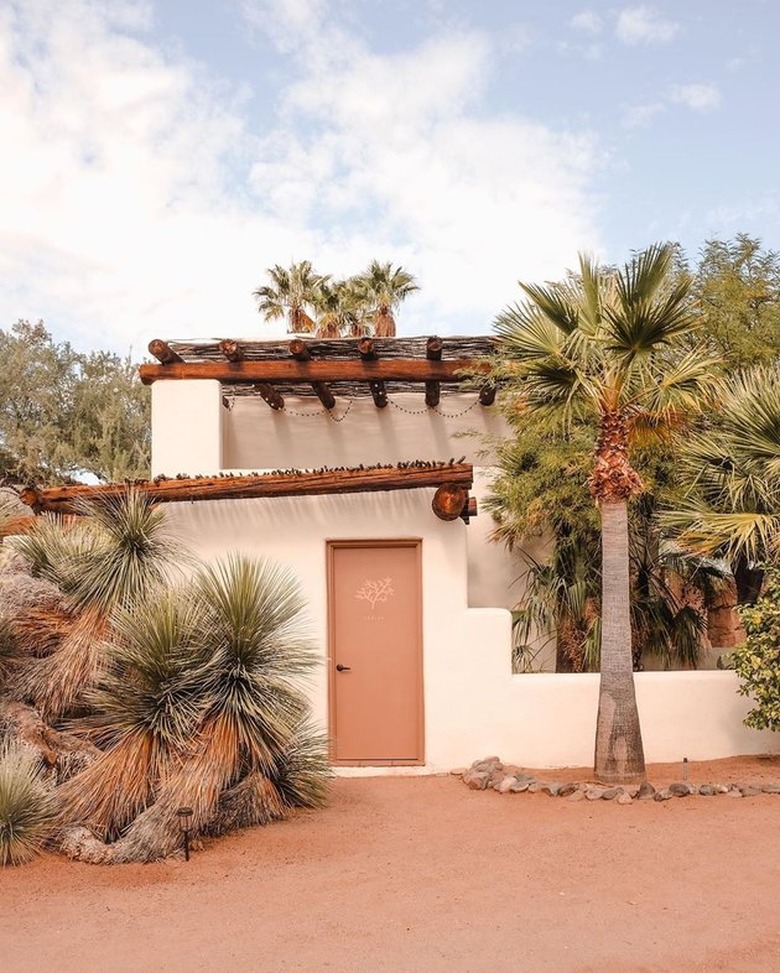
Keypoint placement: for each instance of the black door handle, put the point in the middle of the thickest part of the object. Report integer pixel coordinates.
(341, 668)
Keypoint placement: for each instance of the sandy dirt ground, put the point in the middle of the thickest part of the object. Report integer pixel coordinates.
(422, 874)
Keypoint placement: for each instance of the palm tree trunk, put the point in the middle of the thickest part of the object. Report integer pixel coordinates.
(619, 753)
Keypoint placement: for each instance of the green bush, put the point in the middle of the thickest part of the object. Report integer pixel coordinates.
(27, 806)
(758, 662)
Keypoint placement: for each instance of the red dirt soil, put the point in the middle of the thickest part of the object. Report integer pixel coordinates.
(421, 874)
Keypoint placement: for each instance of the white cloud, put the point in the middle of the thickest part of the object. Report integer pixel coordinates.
(138, 203)
(586, 21)
(697, 97)
(643, 25)
(639, 116)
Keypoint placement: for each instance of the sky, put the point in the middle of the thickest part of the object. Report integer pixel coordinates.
(159, 155)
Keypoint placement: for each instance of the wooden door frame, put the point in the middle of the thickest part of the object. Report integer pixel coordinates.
(331, 546)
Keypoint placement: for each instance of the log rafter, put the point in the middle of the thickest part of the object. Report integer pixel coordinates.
(288, 483)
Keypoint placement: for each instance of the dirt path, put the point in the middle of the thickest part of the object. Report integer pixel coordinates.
(421, 874)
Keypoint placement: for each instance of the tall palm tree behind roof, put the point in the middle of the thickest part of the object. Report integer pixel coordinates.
(608, 344)
(383, 289)
(291, 292)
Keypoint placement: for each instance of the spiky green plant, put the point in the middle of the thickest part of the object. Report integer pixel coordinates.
(233, 694)
(117, 554)
(27, 806)
(145, 708)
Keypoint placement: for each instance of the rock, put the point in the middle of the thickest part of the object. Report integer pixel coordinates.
(720, 788)
(625, 798)
(632, 790)
(707, 790)
(646, 791)
(594, 793)
(734, 792)
(771, 788)
(750, 791)
(535, 786)
(664, 795)
(681, 789)
(475, 780)
(566, 789)
(611, 793)
(576, 796)
(505, 785)
(529, 777)
(519, 786)
(551, 789)
(458, 771)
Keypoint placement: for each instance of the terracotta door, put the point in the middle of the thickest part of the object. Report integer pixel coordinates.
(375, 606)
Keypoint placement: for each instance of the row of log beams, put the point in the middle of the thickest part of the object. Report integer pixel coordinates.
(66, 499)
(237, 369)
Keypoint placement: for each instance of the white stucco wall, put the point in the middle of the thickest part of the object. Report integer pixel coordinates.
(473, 704)
(304, 435)
(186, 427)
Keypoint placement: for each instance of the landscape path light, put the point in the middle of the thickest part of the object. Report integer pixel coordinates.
(184, 814)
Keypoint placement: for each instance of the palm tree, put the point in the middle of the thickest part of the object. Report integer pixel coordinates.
(602, 344)
(383, 288)
(733, 507)
(291, 292)
(340, 309)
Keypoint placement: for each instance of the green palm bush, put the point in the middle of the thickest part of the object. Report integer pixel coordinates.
(27, 806)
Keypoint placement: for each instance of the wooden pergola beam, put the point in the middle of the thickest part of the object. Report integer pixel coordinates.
(433, 388)
(163, 352)
(300, 352)
(325, 370)
(369, 356)
(65, 499)
(231, 349)
(271, 396)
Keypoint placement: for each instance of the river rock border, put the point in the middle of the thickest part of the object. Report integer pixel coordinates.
(491, 773)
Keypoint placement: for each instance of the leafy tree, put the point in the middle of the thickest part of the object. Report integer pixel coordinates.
(63, 414)
(758, 661)
(605, 345)
(737, 287)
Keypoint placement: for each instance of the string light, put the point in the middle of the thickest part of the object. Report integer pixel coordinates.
(400, 408)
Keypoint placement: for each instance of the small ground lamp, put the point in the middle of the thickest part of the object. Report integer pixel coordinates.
(184, 814)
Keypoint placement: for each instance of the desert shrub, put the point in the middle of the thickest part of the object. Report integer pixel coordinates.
(758, 662)
(27, 806)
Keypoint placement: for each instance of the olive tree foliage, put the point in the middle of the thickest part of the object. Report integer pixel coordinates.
(64, 413)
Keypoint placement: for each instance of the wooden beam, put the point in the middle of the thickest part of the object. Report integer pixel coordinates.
(65, 499)
(270, 395)
(367, 349)
(487, 395)
(449, 501)
(231, 349)
(300, 352)
(433, 389)
(325, 370)
(378, 393)
(163, 352)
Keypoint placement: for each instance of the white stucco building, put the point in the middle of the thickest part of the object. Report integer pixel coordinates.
(410, 611)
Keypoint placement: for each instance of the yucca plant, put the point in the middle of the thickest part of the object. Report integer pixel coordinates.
(145, 708)
(118, 553)
(27, 806)
(249, 754)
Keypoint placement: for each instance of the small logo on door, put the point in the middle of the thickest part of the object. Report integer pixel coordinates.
(375, 592)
